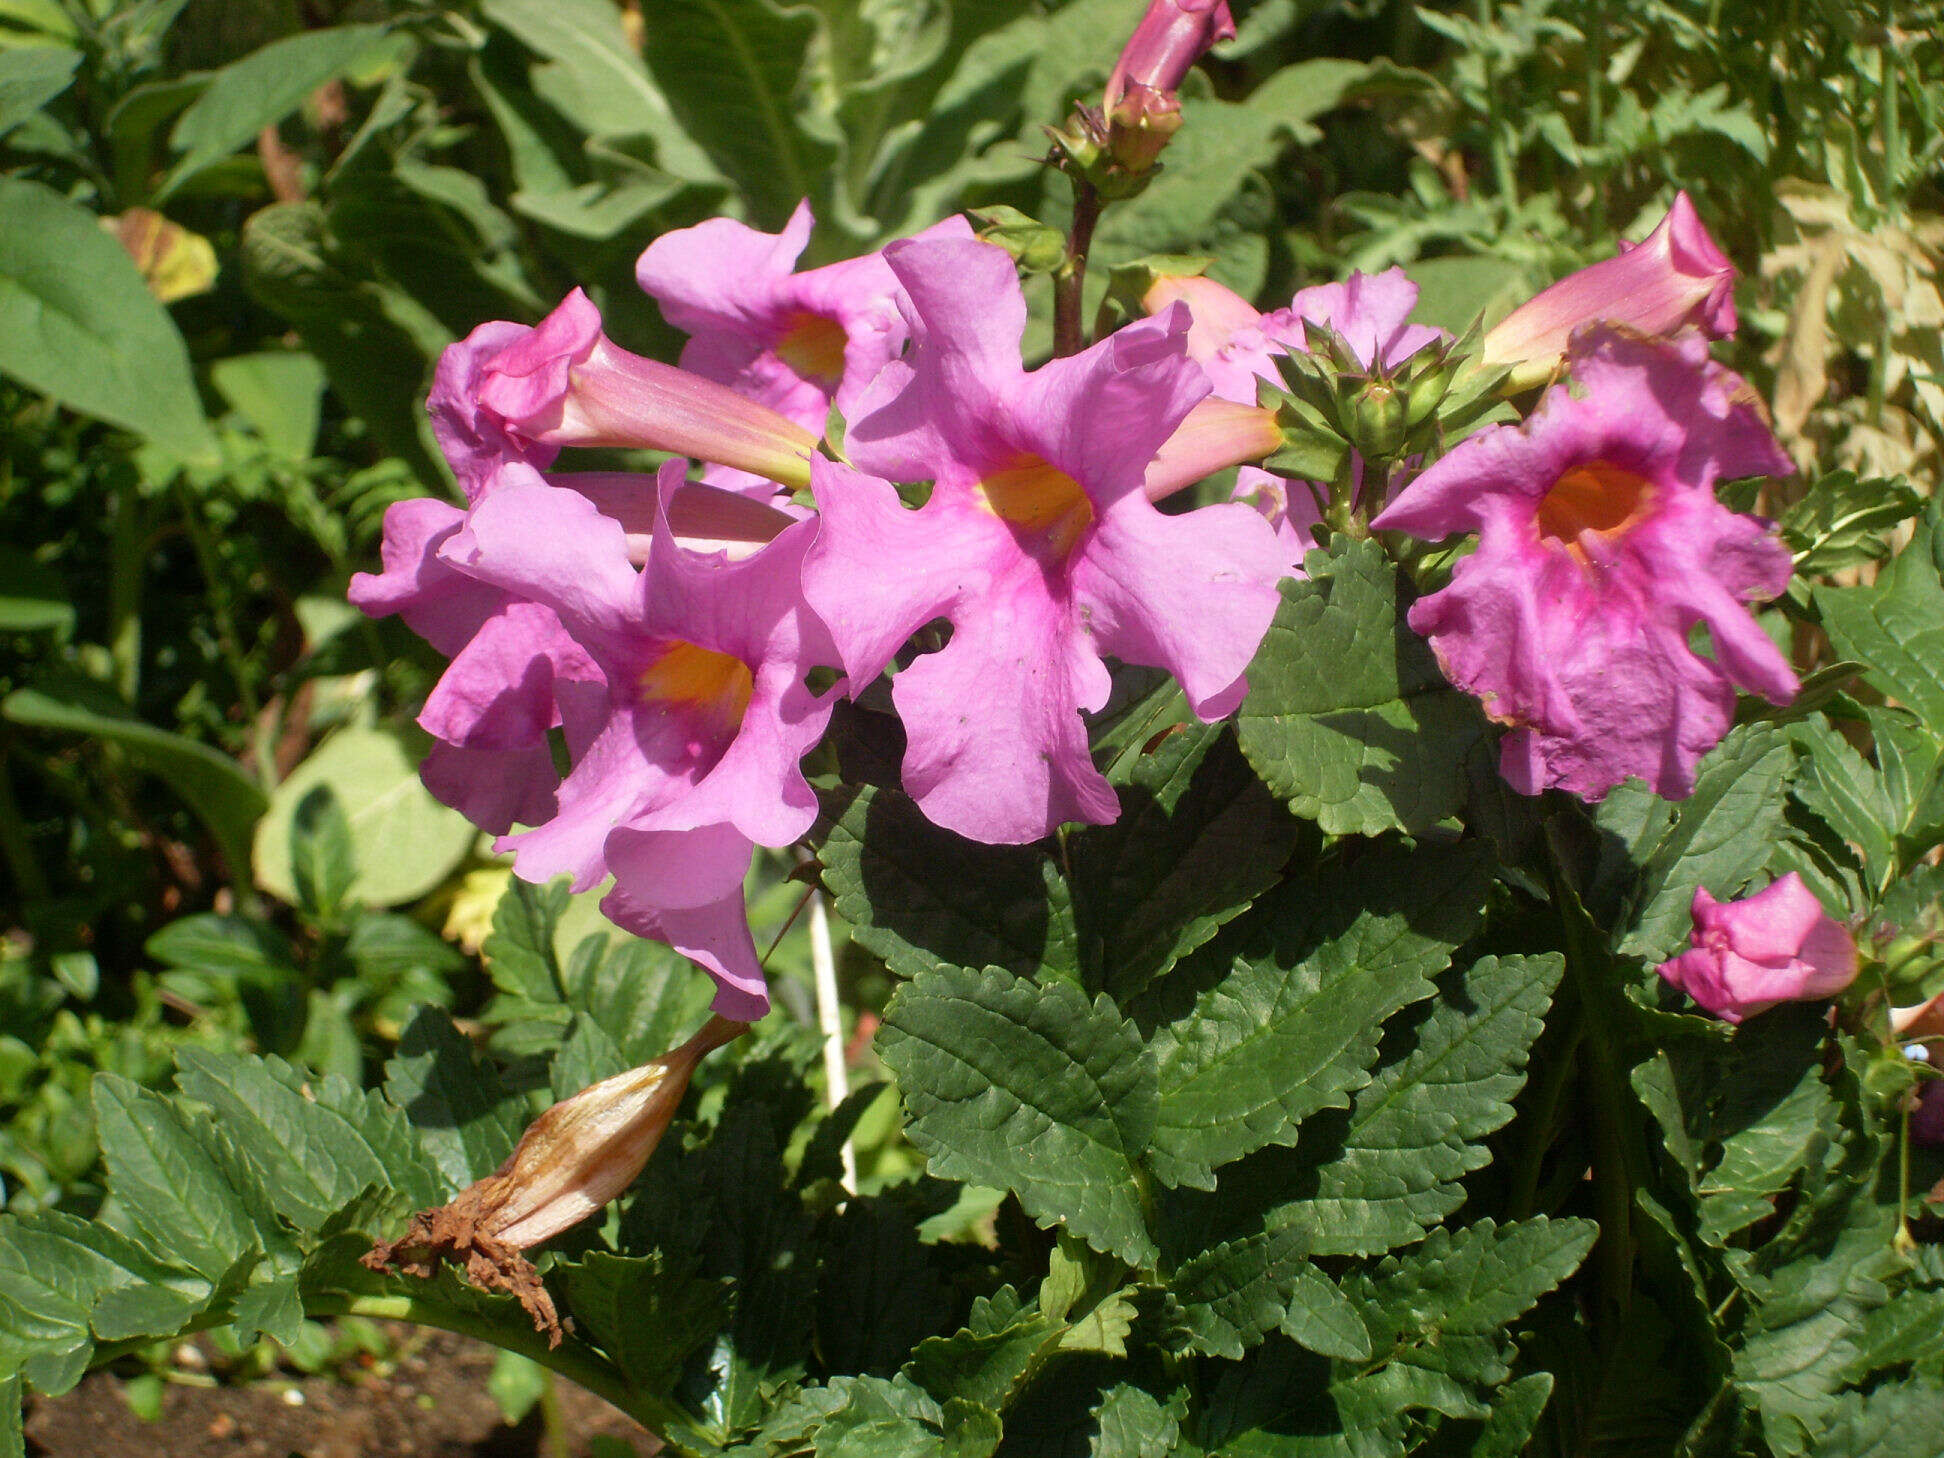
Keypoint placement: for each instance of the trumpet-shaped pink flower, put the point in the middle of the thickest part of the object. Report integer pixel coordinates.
(792, 341)
(564, 383)
(1037, 544)
(475, 441)
(1169, 39)
(1600, 547)
(690, 757)
(1778, 945)
(1675, 277)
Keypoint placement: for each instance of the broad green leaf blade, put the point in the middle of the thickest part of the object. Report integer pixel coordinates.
(922, 897)
(1131, 1423)
(280, 393)
(465, 1120)
(1227, 1298)
(731, 70)
(1841, 787)
(402, 841)
(644, 996)
(646, 1317)
(30, 77)
(1908, 1330)
(1896, 626)
(1198, 838)
(226, 800)
(262, 88)
(1446, 1308)
(1441, 1085)
(1348, 717)
(1718, 837)
(1000, 1348)
(78, 323)
(1291, 997)
(317, 1144)
(170, 1192)
(1028, 1088)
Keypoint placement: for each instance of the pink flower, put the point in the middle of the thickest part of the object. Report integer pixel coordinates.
(564, 383)
(1037, 544)
(689, 758)
(1778, 945)
(1169, 40)
(476, 442)
(792, 341)
(1677, 276)
(1286, 505)
(1600, 547)
(1923, 1020)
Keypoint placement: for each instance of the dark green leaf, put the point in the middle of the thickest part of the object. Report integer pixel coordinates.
(464, 1118)
(33, 599)
(1898, 1420)
(1229, 1297)
(30, 77)
(1130, 1423)
(1896, 626)
(645, 1317)
(921, 897)
(1348, 717)
(322, 865)
(1198, 838)
(1028, 1088)
(1291, 997)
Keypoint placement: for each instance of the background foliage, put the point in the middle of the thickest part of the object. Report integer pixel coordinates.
(1293, 1065)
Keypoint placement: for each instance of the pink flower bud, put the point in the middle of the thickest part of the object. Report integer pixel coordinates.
(1677, 276)
(1169, 39)
(1778, 945)
(564, 383)
(1216, 434)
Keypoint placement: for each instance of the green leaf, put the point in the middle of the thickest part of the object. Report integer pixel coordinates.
(262, 88)
(1001, 1347)
(30, 77)
(1896, 626)
(1227, 1298)
(316, 1144)
(170, 1191)
(644, 996)
(402, 841)
(921, 897)
(1840, 521)
(881, 1419)
(225, 799)
(1515, 1417)
(644, 1316)
(322, 865)
(1028, 1088)
(731, 70)
(1909, 1330)
(1840, 786)
(1446, 1308)
(520, 951)
(465, 1120)
(1442, 1084)
(1130, 1423)
(1718, 837)
(1897, 1420)
(33, 599)
(78, 323)
(594, 77)
(1348, 717)
(279, 393)
(1198, 838)
(1287, 1002)
(274, 1307)
(13, 1438)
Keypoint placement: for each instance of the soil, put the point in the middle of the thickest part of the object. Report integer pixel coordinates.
(432, 1403)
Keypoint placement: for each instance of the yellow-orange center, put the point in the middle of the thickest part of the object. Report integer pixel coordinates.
(813, 346)
(1596, 497)
(714, 684)
(1040, 501)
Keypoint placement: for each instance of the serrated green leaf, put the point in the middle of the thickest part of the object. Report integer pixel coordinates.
(263, 87)
(1414, 1129)
(881, 1419)
(1515, 1417)
(1445, 1309)
(1130, 1423)
(1029, 1088)
(170, 1191)
(1840, 786)
(646, 997)
(1348, 717)
(1910, 1329)
(1896, 626)
(520, 953)
(1718, 837)
(78, 323)
(646, 1317)
(921, 897)
(1002, 1346)
(274, 1307)
(1199, 837)
(1897, 1420)
(1291, 997)
(1227, 1298)
(465, 1120)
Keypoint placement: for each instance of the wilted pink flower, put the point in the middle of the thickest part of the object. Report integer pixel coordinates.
(1778, 945)
(1037, 544)
(792, 341)
(1600, 548)
(1675, 277)
(690, 756)
(564, 383)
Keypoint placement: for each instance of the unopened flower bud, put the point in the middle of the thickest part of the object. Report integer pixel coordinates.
(1778, 945)
(1170, 38)
(1216, 434)
(1377, 421)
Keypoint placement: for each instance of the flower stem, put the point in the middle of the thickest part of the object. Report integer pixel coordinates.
(1071, 281)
